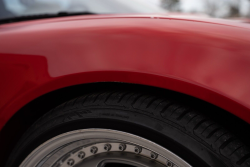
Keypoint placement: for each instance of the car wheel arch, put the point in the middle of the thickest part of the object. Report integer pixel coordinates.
(19, 122)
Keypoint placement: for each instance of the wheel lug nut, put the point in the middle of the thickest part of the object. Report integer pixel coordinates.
(107, 147)
(122, 147)
(81, 155)
(93, 150)
(70, 162)
(137, 150)
(169, 164)
(153, 155)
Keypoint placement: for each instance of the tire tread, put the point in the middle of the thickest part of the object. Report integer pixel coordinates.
(209, 132)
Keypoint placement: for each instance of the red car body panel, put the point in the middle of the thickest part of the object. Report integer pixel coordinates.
(205, 58)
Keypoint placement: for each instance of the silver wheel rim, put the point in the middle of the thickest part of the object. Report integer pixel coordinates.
(98, 147)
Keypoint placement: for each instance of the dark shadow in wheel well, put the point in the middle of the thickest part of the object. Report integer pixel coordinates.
(31, 112)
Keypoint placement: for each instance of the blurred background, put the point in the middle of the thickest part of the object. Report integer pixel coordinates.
(230, 9)
(213, 8)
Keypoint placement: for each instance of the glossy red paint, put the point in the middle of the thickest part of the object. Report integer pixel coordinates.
(205, 58)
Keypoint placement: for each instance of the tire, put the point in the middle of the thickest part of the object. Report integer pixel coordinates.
(183, 131)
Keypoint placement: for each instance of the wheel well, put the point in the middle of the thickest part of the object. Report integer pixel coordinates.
(31, 112)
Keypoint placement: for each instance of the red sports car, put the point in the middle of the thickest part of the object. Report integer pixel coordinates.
(84, 84)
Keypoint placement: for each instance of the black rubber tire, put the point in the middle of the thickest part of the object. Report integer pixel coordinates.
(194, 137)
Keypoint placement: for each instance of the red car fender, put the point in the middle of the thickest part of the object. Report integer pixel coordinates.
(204, 59)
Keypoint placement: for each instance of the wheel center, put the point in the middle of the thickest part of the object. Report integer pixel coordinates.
(118, 165)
